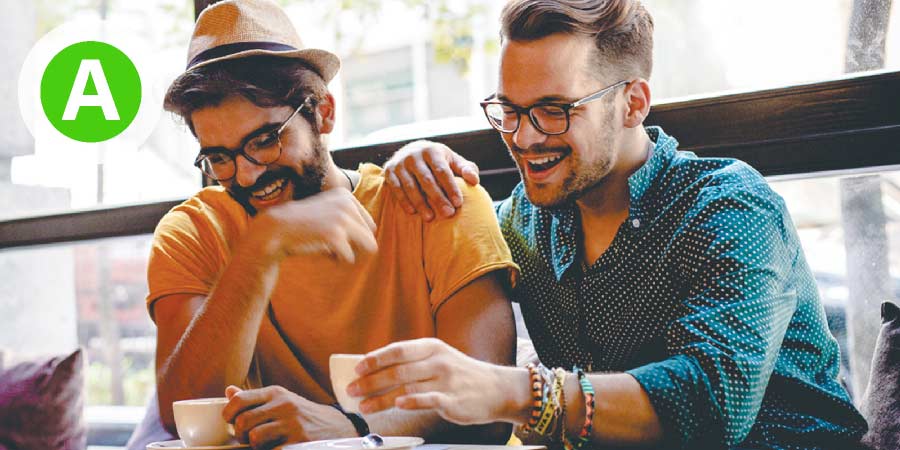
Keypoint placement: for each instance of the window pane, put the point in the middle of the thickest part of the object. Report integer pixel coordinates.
(414, 68)
(709, 46)
(411, 68)
(850, 230)
(40, 174)
(96, 300)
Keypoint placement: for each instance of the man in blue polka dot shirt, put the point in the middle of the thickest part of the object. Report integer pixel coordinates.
(678, 283)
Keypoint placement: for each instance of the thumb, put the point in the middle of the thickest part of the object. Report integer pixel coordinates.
(231, 390)
(464, 168)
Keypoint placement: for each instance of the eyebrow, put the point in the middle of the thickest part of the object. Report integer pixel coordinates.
(265, 128)
(544, 99)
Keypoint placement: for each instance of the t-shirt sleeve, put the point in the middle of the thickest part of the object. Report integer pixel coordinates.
(185, 255)
(464, 247)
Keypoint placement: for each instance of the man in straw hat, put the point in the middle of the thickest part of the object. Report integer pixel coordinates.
(670, 292)
(256, 282)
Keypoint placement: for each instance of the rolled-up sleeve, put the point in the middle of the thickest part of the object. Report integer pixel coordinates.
(722, 347)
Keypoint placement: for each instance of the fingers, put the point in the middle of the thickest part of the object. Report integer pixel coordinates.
(424, 400)
(398, 353)
(434, 193)
(231, 390)
(343, 251)
(464, 168)
(267, 436)
(397, 189)
(397, 375)
(352, 232)
(243, 400)
(413, 193)
(447, 187)
(389, 400)
(247, 420)
(361, 234)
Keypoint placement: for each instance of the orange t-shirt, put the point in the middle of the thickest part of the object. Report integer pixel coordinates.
(320, 306)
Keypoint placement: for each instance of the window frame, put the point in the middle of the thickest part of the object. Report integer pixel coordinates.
(796, 131)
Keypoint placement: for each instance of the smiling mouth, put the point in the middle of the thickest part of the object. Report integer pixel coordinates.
(544, 164)
(270, 191)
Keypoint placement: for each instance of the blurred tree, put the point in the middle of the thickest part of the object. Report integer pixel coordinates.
(862, 210)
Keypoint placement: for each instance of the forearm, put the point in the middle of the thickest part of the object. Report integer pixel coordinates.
(623, 414)
(217, 347)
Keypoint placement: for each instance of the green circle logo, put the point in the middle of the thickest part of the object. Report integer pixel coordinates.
(91, 91)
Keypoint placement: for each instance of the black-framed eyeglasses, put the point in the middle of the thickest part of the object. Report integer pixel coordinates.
(547, 117)
(261, 147)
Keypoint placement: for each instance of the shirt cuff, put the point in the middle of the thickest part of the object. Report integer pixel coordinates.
(680, 394)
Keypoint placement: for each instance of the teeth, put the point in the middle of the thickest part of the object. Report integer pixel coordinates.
(545, 160)
(272, 187)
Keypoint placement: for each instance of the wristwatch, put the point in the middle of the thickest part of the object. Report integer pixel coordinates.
(362, 427)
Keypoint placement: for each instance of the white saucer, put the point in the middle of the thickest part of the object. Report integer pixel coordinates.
(179, 444)
(390, 442)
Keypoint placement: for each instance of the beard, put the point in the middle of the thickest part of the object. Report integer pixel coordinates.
(305, 184)
(582, 176)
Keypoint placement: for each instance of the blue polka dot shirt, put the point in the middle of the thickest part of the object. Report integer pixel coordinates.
(704, 296)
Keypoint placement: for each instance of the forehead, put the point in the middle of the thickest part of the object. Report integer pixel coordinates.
(226, 124)
(555, 65)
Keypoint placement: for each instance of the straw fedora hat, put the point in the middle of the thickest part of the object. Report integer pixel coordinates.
(234, 29)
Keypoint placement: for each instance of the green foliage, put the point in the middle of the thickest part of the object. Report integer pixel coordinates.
(137, 383)
(451, 27)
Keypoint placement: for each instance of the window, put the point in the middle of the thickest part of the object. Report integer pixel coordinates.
(92, 295)
(40, 175)
(849, 226)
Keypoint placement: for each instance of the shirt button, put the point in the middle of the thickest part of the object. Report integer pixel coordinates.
(636, 223)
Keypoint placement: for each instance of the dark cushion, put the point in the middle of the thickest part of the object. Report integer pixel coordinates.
(41, 404)
(881, 404)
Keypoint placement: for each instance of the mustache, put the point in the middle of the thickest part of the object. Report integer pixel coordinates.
(264, 180)
(537, 149)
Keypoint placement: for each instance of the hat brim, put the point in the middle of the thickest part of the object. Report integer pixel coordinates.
(323, 62)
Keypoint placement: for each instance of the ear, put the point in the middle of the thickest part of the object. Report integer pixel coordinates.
(889, 312)
(325, 115)
(637, 102)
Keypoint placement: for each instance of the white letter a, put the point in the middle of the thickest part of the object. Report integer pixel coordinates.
(103, 99)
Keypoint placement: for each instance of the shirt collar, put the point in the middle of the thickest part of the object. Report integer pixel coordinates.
(639, 182)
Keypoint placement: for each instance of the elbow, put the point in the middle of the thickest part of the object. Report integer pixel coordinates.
(166, 416)
(164, 407)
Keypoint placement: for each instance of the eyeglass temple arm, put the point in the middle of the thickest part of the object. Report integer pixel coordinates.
(296, 111)
(597, 95)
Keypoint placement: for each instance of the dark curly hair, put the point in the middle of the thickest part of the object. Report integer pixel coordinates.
(266, 81)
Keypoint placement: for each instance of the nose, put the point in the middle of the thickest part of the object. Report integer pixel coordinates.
(527, 135)
(246, 173)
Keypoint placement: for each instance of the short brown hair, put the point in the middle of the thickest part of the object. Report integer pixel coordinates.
(266, 81)
(622, 30)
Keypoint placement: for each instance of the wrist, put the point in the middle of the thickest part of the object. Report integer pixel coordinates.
(359, 425)
(263, 240)
(514, 386)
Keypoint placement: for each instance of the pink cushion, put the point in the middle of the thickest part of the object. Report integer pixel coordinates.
(41, 404)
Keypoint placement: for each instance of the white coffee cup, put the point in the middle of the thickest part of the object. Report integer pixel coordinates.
(343, 372)
(200, 423)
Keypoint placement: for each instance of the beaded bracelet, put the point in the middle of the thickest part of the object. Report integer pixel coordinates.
(551, 403)
(585, 435)
(560, 393)
(537, 397)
